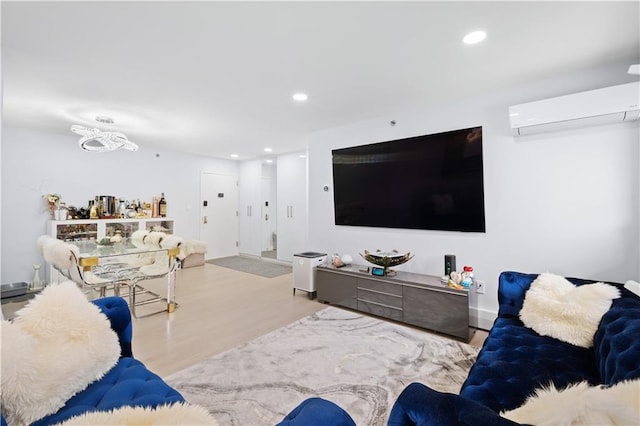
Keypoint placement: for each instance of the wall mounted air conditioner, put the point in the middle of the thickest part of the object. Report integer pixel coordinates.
(614, 104)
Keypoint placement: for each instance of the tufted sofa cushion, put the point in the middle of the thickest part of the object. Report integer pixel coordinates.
(617, 341)
(515, 360)
(129, 383)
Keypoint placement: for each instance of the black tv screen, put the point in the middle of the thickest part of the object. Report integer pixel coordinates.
(432, 182)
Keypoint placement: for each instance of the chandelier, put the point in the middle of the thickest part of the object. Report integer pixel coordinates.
(98, 141)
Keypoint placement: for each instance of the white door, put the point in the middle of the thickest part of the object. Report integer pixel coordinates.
(267, 215)
(269, 208)
(250, 212)
(219, 219)
(292, 205)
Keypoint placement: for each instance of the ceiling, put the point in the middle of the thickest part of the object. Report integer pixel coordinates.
(216, 78)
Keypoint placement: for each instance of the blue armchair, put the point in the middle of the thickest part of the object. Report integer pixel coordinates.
(128, 383)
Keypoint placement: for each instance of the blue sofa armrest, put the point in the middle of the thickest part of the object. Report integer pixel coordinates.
(512, 286)
(117, 311)
(419, 405)
(616, 344)
(317, 412)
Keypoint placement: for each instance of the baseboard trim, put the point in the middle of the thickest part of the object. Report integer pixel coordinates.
(481, 318)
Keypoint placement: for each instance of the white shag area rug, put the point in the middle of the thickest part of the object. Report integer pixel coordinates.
(358, 362)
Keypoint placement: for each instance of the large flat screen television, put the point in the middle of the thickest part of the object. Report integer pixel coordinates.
(432, 182)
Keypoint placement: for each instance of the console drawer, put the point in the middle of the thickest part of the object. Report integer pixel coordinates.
(380, 286)
(380, 310)
(381, 298)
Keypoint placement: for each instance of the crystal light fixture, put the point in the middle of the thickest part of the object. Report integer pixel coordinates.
(98, 141)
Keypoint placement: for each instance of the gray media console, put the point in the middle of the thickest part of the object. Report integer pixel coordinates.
(416, 299)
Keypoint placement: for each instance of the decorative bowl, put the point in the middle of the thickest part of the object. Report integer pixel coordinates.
(386, 259)
(106, 241)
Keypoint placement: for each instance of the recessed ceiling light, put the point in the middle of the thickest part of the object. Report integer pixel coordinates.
(300, 97)
(268, 150)
(474, 37)
(234, 155)
(302, 156)
(269, 161)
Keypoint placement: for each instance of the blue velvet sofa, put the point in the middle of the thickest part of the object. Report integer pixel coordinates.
(515, 360)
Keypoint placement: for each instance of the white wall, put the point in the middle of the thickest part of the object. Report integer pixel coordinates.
(563, 202)
(34, 164)
(1, 115)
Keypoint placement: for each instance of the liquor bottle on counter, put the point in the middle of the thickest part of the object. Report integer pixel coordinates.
(162, 206)
(155, 208)
(147, 209)
(93, 209)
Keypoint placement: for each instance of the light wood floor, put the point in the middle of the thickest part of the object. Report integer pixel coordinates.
(219, 309)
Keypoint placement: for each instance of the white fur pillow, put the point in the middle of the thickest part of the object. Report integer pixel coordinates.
(554, 307)
(581, 404)
(57, 345)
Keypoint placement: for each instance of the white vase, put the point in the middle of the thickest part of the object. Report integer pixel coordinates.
(61, 214)
(37, 283)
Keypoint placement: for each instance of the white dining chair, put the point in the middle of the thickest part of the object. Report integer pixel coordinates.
(86, 272)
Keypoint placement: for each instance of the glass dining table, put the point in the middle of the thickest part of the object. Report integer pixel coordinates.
(127, 263)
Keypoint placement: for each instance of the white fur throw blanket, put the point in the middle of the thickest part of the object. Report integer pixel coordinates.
(195, 246)
(581, 404)
(56, 346)
(56, 252)
(143, 238)
(554, 307)
(176, 414)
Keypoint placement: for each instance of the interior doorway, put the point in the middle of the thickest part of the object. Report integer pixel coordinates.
(219, 214)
